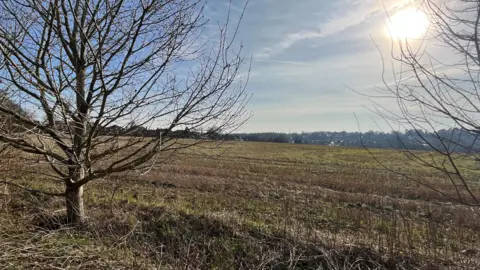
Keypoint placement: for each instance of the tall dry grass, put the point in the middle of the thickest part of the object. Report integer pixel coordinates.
(247, 206)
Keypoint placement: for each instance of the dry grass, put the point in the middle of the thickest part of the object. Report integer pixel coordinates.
(249, 206)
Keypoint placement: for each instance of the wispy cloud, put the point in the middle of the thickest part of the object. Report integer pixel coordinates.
(282, 62)
(340, 20)
(306, 53)
(343, 16)
(287, 42)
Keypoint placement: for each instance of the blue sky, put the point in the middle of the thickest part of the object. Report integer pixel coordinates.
(305, 55)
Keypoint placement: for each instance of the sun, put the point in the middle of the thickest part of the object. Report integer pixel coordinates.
(409, 23)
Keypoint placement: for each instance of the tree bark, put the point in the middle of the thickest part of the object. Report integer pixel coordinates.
(74, 204)
(74, 198)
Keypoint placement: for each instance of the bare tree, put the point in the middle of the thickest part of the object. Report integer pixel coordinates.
(438, 95)
(92, 68)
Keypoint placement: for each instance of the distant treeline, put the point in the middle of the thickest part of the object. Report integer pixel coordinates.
(446, 139)
(452, 139)
(139, 131)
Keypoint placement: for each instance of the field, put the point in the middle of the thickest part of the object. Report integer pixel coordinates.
(249, 205)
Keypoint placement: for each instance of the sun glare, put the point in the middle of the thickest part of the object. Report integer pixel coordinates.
(408, 23)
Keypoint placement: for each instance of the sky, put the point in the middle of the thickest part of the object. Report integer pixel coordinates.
(308, 55)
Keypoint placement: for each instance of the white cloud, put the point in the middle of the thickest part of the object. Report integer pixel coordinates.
(305, 55)
(287, 42)
(321, 30)
(342, 18)
(283, 62)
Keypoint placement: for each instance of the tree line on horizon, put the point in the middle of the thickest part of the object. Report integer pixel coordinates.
(458, 140)
(455, 139)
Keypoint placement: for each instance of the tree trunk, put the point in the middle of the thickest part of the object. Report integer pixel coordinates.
(74, 198)
(74, 203)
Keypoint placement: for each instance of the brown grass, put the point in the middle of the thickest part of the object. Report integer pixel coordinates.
(250, 206)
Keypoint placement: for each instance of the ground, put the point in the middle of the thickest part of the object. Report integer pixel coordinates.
(245, 205)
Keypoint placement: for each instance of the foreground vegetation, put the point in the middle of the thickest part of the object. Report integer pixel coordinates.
(250, 206)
